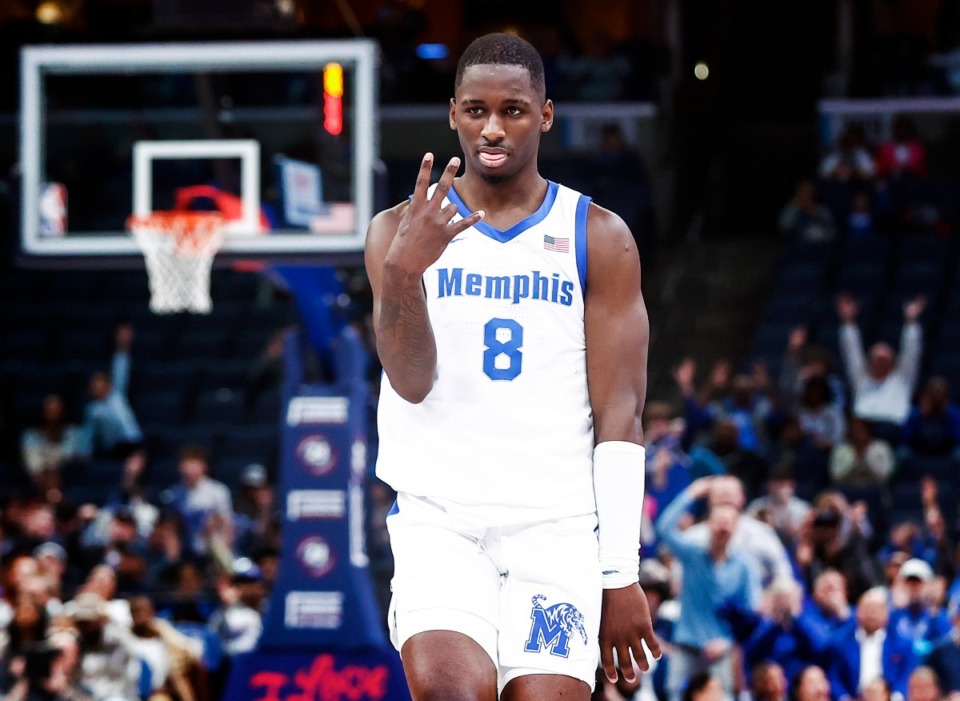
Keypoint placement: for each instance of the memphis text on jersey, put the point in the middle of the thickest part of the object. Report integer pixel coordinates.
(456, 283)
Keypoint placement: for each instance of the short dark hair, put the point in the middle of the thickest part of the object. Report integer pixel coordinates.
(194, 451)
(505, 50)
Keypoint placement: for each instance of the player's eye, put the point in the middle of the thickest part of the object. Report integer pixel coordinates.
(474, 111)
(513, 111)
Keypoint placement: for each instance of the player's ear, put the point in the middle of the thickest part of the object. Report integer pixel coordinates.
(453, 113)
(546, 116)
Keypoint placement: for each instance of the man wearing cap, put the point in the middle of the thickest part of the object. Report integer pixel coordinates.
(860, 653)
(917, 620)
(257, 519)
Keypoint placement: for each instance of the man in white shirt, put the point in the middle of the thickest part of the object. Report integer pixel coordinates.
(752, 536)
(882, 383)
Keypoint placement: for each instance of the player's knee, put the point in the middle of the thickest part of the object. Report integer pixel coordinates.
(460, 686)
(454, 691)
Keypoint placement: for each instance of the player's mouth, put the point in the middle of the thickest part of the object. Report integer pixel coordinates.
(492, 157)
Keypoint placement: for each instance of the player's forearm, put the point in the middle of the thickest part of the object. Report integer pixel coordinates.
(405, 340)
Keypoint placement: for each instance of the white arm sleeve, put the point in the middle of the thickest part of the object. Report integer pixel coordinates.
(618, 482)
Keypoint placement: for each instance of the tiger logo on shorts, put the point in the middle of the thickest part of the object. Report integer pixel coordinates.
(552, 627)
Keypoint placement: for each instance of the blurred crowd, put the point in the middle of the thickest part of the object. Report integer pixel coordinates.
(800, 531)
(145, 594)
(865, 190)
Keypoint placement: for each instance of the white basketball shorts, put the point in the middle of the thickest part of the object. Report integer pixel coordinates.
(529, 595)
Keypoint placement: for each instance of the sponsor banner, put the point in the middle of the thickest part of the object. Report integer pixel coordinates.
(323, 596)
(316, 503)
(317, 410)
(318, 676)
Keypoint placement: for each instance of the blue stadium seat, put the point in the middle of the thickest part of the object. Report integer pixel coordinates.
(219, 407)
(935, 249)
(771, 338)
(861, 277)
(164, 406)
(199, 343)
(252, 443)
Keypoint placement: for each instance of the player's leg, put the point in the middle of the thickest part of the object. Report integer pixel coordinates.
(442, 664)
(445, 605)
(550, 611)
(545, 686)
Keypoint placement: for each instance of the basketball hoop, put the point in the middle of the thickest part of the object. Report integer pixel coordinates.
(178, 248)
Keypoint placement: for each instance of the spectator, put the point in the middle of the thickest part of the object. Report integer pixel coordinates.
(917, 620)
(48, 668)
(745, 405)
(831, 541)
(805, 218)
(758, 540)
(861, 460)
(102, 581)
(109, 421)
(768, 682)
(861, 222)
(829, 607)
(877, 690)
(783, 634)
(850, 160)
(882, 385)
(28, 627)
(903, 154)
(780, 507)
(932, 428)
(802, 362)
(239, 621)
(257, 518)
(821, 419)
(811, 684)
(712, 573)
(600, 74)
(923, 685)
(668, 471)
(198, 497)
(704, 686)
(859, 654)
(938, 546)
(52, 446)
(944, 658)
(171, 655)
(108, 665)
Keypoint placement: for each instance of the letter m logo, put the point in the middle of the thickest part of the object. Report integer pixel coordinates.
(552, 627)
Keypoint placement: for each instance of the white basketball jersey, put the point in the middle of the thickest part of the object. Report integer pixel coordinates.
(506, 433)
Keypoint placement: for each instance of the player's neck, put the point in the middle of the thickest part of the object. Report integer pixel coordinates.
(522, 191)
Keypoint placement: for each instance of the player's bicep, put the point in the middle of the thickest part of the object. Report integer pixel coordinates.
(617, 329)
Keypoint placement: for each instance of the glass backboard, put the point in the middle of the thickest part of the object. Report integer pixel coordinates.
(278, 136)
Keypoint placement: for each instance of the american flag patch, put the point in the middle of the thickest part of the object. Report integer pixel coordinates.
(555, 244)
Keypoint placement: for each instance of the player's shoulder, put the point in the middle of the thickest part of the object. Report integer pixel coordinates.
(608, 236)
(383, 227)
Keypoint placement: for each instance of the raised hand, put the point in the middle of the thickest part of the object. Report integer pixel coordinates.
(797, 339)
(720, 374)
(684, 373)
(914, 308)
(426, 227)
(847, 308)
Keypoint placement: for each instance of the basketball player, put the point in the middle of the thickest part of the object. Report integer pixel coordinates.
(513, 336)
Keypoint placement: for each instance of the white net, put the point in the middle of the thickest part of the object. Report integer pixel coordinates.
(178, 248)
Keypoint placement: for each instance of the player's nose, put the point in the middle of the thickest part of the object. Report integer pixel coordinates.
(493, 129)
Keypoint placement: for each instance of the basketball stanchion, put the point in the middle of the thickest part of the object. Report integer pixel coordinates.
(178, 248)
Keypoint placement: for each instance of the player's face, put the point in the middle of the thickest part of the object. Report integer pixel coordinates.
(499, 116)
